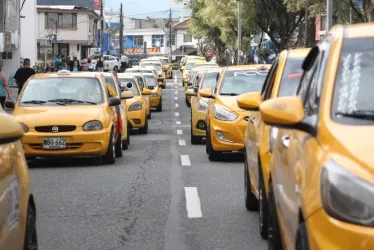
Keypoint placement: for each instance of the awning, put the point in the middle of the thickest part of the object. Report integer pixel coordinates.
(187, 51)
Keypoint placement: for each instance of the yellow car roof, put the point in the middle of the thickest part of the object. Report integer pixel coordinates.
(136, 73)
(360, 30)
(302, 52)
(125, 75)
(73, 75)
(148, 74)
(250, 66)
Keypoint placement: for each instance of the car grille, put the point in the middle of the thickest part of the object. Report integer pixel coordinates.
(61, 128)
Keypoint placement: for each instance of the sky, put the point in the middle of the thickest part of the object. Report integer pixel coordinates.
(144, 8)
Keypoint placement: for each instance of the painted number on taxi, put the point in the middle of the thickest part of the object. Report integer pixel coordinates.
(13, 202)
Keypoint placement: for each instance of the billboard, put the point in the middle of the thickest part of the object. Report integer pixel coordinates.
(97, 5)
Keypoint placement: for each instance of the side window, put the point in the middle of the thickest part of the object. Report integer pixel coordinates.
(269, 81)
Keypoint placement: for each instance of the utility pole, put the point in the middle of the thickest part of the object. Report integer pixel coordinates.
(329, 14)
(102, 27)
(239, 30)
(170, 35)
(121, 32)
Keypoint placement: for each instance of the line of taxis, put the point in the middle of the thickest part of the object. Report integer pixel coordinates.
(67, 114)
(305, 125)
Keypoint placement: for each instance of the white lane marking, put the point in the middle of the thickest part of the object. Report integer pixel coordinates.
(182, 142)
(176, 105)
(185, 159)
(176, 92)
(179, 132)
(176, 113)
(176, 87)
(193, 204)
(178, 123)
(176, 98)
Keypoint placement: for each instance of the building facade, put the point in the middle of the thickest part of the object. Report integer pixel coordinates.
(66, 30)
(183, 43)
(29, 24)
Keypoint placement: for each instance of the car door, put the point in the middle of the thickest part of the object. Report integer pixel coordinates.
(253, 130)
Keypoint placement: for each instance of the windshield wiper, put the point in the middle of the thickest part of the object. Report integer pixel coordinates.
(360, 114)
(230, 94)
(34, 102)
(71, 101)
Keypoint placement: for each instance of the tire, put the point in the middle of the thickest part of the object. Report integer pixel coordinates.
(150, 115)
(144, 130)
(274, 238)
(262, 207)
(251, 203)
(31, 238)
(30, 158)
(110, 155)
(302, 237)
(159, 108)
(172, 75)
(126, 143)
(195, 140)
(115, 69)
(119, 146)
(212, 154)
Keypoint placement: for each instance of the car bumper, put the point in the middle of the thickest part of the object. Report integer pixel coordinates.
(327, 233)
(233, 131)
(136, 118)
(155, 102)
(198, 123)
(78, 143)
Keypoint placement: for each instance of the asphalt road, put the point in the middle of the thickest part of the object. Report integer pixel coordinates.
(162, 194)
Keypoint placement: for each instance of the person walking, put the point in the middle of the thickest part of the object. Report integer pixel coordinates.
(4, 88)
(58, 62)
(100, 65)
(23, 74)
(124, 63)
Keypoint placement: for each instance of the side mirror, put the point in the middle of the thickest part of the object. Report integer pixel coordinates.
(147, 92)
(190, 92)
(129, 85)
(127, 95)
(114, 101)
(249, 101)
(283, 111)
(189, 84)
(207, 93)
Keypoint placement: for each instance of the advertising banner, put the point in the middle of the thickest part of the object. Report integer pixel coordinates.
(97, 4)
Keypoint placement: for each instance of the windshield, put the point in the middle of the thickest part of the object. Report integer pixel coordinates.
(190, 65)
(125, 81)
(291, 76)
(79, 88)
(206, 65)
(157, 66)
(242, 81)
(112, 83)
(140, 81)
(151, 81)
(210, 80)
(353, 90)
(164, 61)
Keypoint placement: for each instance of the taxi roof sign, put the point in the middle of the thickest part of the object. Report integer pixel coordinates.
(262, 67)
(64, 72)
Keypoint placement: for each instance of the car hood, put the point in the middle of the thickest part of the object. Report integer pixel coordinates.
(229, 102)
(61, 115)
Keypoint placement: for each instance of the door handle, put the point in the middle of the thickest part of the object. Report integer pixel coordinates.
(252, 119)
(286, 141)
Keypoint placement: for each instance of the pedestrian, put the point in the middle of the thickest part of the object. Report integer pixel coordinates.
(4, 88)
(124, 62)
(23, 74)
(100, 65)
(58, 62)
(75, 59)
(76, 66)
(64, 65)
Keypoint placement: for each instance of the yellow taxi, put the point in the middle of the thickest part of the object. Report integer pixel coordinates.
(283, 79)
(115, 91)
(156, 95)
(166, 66)
(69, 114)
(321, 182)
(193, 82)
(143, 85)
(158, 67)
(17, 204)
(186, 58)
(186, 70)
(137, 106)
(199, 65)
(226, 122)
(199, 105)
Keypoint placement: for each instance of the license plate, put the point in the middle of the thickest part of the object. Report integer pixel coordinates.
(54, 143)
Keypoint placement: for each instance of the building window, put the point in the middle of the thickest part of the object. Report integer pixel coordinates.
(187, 38)
(63, 20)
(43, 51)
(172, 39)
(138, 40)
(115, 41)
(156, 38)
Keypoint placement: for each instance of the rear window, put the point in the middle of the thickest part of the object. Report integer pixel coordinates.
(154, 65)
(125, 81)
(291, 76)
(140, 81)
(151, 81)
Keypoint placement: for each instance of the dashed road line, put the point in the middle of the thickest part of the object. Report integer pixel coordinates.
(185, 160)
(179, 132)
(193, 204)
(176, 98)
(182, 142)
(178, 122)
(176, 105)
(176, 92)
(176, 113)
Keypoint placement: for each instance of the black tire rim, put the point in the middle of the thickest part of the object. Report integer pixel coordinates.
(245, 179)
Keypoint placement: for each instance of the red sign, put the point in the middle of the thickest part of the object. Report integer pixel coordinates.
(97, 4)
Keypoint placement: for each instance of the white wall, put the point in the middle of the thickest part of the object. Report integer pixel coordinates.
(147, 37)
(28, 31)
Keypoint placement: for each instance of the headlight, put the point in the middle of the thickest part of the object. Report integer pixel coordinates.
(202, 106)
(154, 95)
(25, 128)
(272, 137)
(135, 106)
(220, 113)
(92, 126)
(345, 196)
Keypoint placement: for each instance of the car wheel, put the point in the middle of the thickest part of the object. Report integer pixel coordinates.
(126, 143)
(195, 140)
(31, 238)
(110, 155)
(274, 238)
(144, 130)
(115, 69)
(302, 237)
(251, 203)
(150, 115)
(212, 154)
(119, 145)
(159, 108)
(263, 207)
(171, 75)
